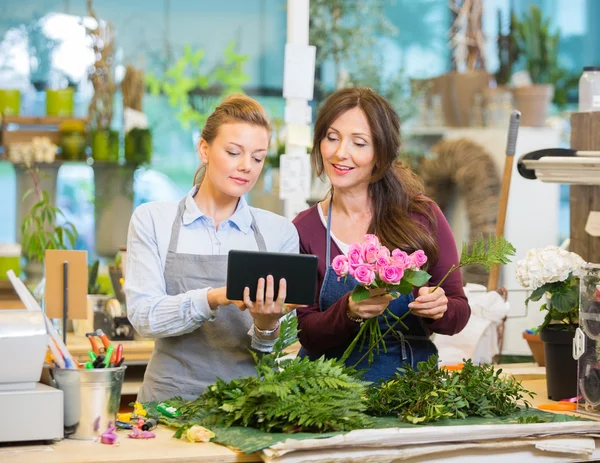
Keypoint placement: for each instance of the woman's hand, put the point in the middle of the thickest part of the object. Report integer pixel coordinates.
(267, 310)
(371, 307)
(430, 305)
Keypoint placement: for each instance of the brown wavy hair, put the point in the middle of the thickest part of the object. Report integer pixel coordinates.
(234, 108)
(396, 193)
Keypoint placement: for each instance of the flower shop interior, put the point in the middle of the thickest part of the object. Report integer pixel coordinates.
(103, 106)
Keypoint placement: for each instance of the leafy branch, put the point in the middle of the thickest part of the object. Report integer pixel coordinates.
(429, 394)
(39, 228)
(286, 395)
(185, 77)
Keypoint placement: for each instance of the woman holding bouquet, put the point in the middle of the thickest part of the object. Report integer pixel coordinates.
(356, 143)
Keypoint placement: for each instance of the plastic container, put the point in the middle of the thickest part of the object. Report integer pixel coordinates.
(589, 89)
(91, 399)
(587, 339)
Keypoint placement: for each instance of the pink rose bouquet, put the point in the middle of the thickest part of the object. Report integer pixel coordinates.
(374, 266)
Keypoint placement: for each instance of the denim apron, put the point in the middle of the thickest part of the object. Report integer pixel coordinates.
(403, 346)
(185, 365)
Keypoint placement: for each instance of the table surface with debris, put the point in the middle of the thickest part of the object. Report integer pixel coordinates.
(165, 448)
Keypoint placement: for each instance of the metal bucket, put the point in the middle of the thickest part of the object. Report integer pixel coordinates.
(91, 399)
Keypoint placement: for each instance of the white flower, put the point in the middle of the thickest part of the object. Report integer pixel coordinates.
(547, 265)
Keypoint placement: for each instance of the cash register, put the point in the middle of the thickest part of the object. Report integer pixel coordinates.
(31, 411)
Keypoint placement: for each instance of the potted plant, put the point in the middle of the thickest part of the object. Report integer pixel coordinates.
(41, 230)
(104, 141)
(138, 138)
(539, 48)
(554, 273)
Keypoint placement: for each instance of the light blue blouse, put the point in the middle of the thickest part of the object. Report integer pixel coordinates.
(151, 311)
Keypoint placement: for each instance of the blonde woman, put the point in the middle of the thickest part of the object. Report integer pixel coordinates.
(177, 262)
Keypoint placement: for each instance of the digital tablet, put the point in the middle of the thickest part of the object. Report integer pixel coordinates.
(244, 268)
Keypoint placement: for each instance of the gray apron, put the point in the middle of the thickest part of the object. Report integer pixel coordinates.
(185, 365)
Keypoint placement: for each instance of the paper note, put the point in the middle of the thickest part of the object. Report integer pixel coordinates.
(77, 283)
(592, 226)
(298, 135)
(297, 112)
(299, 71)
(294, 176)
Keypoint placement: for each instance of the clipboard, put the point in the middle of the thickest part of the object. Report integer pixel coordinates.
(75, 288)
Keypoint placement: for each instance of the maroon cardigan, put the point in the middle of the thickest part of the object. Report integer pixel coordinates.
(321, 331)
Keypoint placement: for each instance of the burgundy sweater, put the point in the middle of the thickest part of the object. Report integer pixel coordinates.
(321, 331)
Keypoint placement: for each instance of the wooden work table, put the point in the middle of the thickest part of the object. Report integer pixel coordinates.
(164, 448)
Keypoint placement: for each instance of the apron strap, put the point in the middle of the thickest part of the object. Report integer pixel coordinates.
(262, 247)
(328, 252)
(176, 227)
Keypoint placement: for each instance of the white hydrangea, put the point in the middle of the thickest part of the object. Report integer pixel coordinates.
(547, 265)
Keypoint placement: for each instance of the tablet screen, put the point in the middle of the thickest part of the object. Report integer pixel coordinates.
(244, 268)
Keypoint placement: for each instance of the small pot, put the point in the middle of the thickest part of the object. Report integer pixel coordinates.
(537, 348)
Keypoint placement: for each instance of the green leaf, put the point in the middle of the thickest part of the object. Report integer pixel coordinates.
(360, 293)
(416, 277)
(565, 300)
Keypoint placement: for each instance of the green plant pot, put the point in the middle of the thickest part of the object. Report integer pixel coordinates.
(10, 259)
(72, 145)
(59, 102)
(10, 102)
(105, 146)
(138, 146)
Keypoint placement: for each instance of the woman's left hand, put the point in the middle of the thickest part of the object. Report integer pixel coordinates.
(267, 310)
(430, 305)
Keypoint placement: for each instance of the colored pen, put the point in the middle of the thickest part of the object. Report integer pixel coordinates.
(109, 352)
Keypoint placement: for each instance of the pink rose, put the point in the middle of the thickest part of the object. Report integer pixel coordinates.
(383, 252)
(355, 255)
(371, 239)
(340, 265)
(369, 253)
(392, 274)
(364, 274)
(418, 259)
(382, 262)
(401, 259)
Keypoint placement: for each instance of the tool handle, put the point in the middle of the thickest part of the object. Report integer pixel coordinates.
(513, 131)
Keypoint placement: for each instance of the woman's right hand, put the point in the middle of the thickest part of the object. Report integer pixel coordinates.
(371, 307)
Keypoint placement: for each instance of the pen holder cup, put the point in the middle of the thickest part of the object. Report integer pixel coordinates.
(91, 399)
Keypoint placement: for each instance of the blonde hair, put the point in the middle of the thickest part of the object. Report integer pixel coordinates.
(234, 108)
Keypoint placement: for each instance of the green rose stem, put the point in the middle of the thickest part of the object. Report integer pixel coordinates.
(493, 251)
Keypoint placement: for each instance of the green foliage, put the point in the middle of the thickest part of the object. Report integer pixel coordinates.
(345, 33)
(507, 51)
(497, 250)
(39, 228)
(539, 48)
(94, 286)
(186, 77)
(286, 395)
(563, 305)
(430, 394)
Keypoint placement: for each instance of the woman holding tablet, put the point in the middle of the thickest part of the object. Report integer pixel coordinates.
(356, 144)
(177, 263)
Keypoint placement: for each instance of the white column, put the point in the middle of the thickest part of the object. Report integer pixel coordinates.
(298, 85)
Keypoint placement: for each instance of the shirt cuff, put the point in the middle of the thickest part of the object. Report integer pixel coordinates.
(261, 345)
(201, 311)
